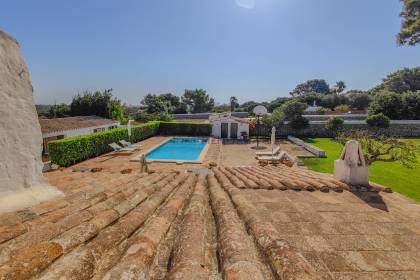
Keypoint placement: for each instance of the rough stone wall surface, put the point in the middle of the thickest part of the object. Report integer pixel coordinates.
(20, 132)
(401, 129)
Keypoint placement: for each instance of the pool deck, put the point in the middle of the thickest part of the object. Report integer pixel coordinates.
(217, 153)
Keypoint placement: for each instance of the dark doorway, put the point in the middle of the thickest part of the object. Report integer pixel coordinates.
(234, 130)
(224, 132)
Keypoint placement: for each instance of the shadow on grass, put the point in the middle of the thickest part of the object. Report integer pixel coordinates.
(373, 199)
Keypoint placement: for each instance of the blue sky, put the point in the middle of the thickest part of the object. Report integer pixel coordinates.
(253, 49)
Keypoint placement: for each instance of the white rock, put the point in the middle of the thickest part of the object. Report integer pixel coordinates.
(20, 132)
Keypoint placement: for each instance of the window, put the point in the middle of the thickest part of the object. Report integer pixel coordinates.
(99, 129)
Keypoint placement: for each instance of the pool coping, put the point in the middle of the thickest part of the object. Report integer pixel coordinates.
(200, 159)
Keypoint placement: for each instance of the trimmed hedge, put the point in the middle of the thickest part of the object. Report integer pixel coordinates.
(186, 129)
(75, 149)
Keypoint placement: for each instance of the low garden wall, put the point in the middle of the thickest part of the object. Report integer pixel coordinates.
(71, 150)
(403, 128)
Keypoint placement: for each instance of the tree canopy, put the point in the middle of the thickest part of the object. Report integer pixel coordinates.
(318, 86)
(382, 148)
(97, 103)
(197, 100)
(407, 79)
(166, 102)
(410, 25)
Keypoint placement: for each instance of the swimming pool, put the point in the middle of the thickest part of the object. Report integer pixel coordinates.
(179, 149)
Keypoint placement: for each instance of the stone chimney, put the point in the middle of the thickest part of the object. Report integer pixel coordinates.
(351, 167)
(21, 180)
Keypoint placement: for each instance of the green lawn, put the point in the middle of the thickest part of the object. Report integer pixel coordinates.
(391, 174)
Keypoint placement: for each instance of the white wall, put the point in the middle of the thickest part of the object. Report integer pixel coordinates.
(217, 128)
(75, 132)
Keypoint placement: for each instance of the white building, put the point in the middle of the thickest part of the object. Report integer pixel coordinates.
(227, 126)
(60, 128)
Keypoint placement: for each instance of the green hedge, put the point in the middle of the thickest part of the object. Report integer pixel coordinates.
(75, 149)
(185, 129)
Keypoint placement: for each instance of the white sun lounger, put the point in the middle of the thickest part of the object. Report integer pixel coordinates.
(127, 144)
(118, 148)
(269, 152)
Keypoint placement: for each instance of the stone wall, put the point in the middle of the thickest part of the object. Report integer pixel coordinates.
(317, 129)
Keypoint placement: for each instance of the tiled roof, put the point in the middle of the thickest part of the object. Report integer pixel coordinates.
(71, 123)
(237, 223)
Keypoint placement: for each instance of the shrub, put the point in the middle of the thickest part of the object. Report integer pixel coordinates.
(342, 108)
(187, 129)
(323, 110)
(335, 124)
(299, 122)
(378, 120)
(74, 149)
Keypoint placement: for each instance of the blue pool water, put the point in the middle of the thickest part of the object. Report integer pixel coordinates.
(179, 148)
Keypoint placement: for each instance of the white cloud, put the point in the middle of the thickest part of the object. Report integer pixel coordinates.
(247, 4)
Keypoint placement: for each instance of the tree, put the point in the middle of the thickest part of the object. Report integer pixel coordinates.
(156, 103)
(293, 108)
(339, 87)
(198, 100)
(59, 111)
(276, 103)
(333, 100)
(318, 86)
(382, 148)
(410, 25)
(388, 103)
(411, 105)
(407, 79)
(117, 111)
(292, 111)
(358, 100)
(275, 119)
(90, 103)
(233, 103)
(299, 122)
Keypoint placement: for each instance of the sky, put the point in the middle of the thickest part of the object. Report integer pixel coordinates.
(253, 49)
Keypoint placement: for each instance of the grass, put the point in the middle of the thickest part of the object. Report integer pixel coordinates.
(391, 174)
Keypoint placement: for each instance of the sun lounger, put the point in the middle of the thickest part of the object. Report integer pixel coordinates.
(269, 152)
(118, 148)
(127, 144)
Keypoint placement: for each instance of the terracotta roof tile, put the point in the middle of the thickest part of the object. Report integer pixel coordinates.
(262, 222)
(71, 123)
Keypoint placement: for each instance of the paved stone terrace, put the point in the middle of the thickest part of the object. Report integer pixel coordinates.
(236, 223)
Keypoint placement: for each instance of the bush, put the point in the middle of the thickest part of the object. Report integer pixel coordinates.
(75, 149)
(299, 122)
(342, 108)
(335, 124)
(378, 120)
(323, 111)
(187, 129)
